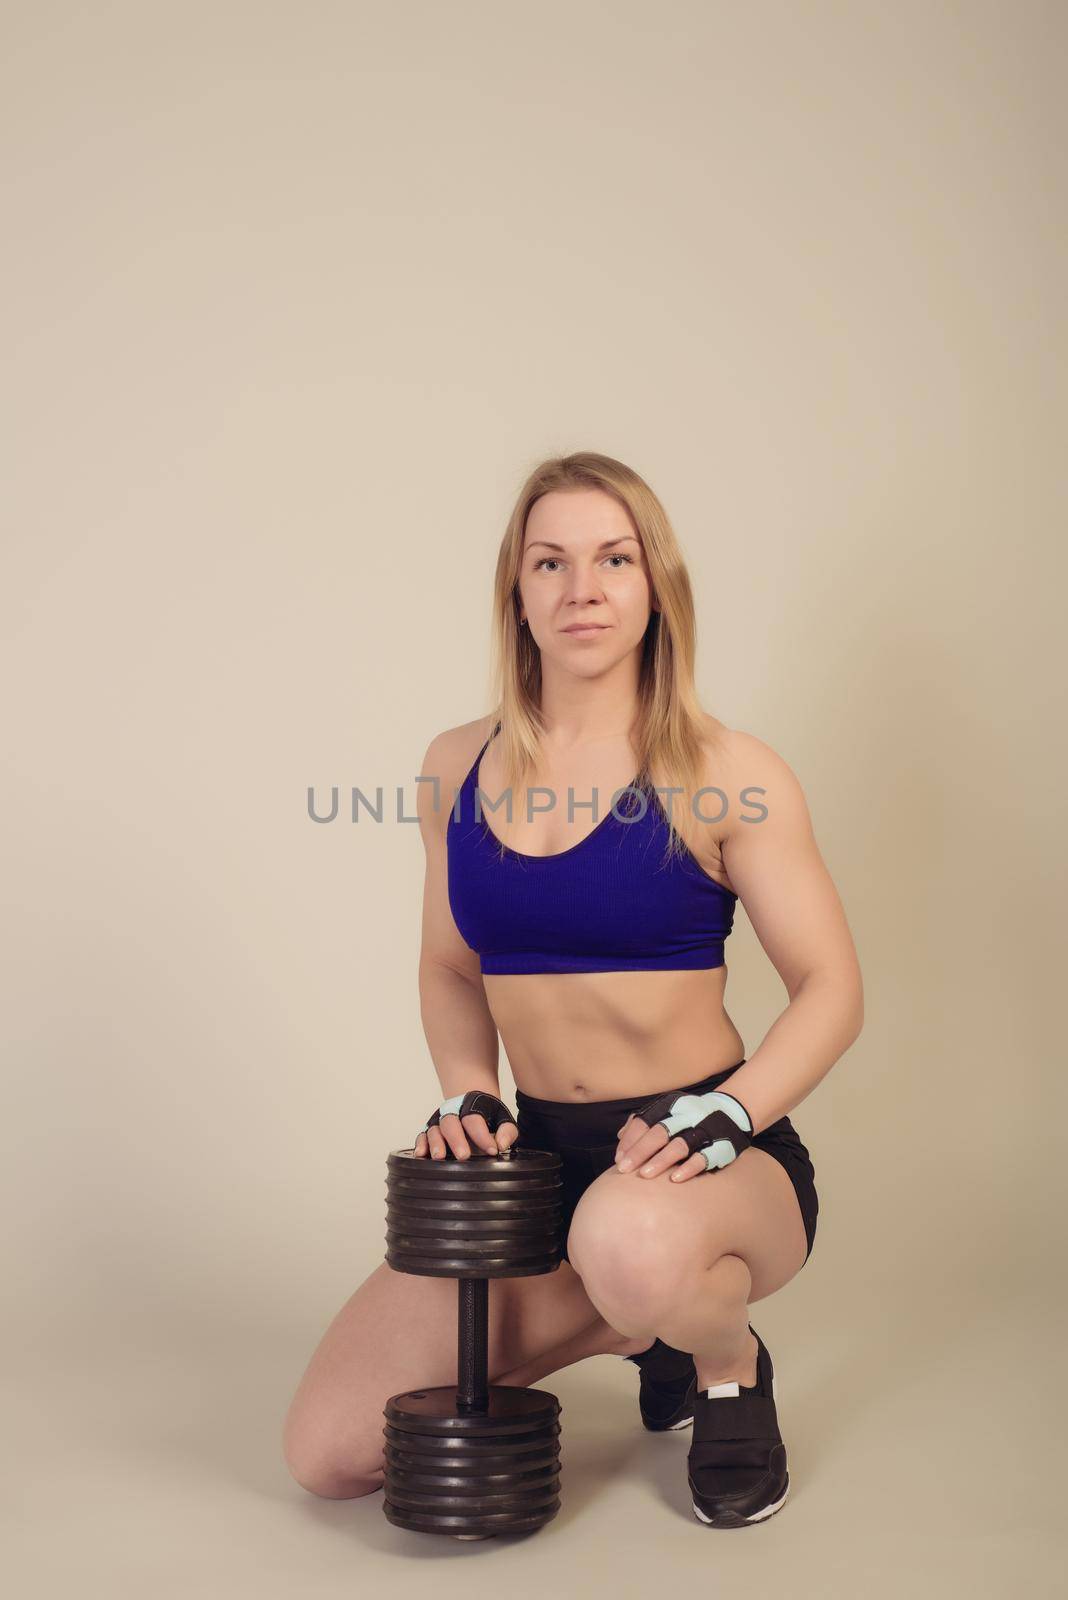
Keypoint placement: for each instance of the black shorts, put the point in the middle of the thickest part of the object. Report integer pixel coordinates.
(585, 1135)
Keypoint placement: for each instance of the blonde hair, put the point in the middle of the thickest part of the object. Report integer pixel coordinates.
(670, 727)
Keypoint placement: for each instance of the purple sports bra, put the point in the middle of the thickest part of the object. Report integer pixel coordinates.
(608, 904)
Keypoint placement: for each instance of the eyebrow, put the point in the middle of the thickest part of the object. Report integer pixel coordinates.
(606, 545)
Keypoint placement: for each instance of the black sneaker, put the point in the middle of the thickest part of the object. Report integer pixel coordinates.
(668, 1385)
(737, 1461)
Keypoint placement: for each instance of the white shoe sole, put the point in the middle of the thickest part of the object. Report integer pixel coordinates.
(758, 1516)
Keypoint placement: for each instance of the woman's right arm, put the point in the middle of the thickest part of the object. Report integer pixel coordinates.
(460, 1030)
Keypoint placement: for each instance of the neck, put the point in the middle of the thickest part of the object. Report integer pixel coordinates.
(581, 712)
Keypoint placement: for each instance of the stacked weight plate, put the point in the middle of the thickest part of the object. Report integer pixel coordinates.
(473, 1459)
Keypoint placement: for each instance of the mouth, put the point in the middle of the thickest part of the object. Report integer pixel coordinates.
(587, 627)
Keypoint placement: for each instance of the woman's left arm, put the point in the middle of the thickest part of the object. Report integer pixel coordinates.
(774, 863)
(770, 853)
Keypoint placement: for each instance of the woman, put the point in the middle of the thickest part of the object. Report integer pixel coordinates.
(591, 941)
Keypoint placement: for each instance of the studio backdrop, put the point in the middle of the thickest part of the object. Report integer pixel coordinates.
(295, 296)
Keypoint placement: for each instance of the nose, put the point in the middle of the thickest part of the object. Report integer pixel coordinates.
(583, 586)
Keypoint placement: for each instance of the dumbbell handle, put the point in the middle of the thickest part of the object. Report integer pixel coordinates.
(472, 1357)
(472, 1344)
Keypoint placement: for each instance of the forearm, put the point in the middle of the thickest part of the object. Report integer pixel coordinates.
(460, 1030)
(822, 1020)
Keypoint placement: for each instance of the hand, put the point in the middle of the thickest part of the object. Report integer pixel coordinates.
(447, 1128)
(693, 1133)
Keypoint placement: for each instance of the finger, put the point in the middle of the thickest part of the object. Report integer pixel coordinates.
(420, 1146)
(689, 1169)
(478, 1128)
(641, 1147)
(452, 1129)
(507, 1134)
(632, 1130)
(444, 1140)
(669, 1155)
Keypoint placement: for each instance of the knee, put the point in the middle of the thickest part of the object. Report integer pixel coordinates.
(331, 1485)
(625, 1265)
(321, 1470)
(637, 1260)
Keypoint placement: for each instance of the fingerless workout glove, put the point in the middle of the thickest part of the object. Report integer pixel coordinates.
(714, 1125)
(477, 1101)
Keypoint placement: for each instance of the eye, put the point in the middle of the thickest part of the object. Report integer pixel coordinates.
(618, 556)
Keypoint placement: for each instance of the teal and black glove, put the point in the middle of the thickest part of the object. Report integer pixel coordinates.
(476, 1102)
(714, 1125)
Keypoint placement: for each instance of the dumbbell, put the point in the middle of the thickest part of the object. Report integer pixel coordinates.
(476, 1459)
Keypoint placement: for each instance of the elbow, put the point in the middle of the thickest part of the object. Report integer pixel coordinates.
(857, 1022)
(849, 1024)
(858, 1001)
(850, 996)
(854, 1013)
(844, 996)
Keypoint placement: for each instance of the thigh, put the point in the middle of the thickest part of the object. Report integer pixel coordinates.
(398, 1331)
(661, 1232)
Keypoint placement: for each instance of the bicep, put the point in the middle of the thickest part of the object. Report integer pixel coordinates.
(776, 868)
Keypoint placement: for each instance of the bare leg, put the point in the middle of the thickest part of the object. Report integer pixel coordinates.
(595, 1340)
(398, 1331)
(712, 1320)
(686, 1261)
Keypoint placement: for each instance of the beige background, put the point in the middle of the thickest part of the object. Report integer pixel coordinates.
(294, 298)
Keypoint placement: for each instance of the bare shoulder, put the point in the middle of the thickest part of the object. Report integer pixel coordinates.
(746, 782)
(447, 761)
(760, 784)
(778, 872)
(456, 747)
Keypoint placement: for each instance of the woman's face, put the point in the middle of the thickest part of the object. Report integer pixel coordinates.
(583, 563)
